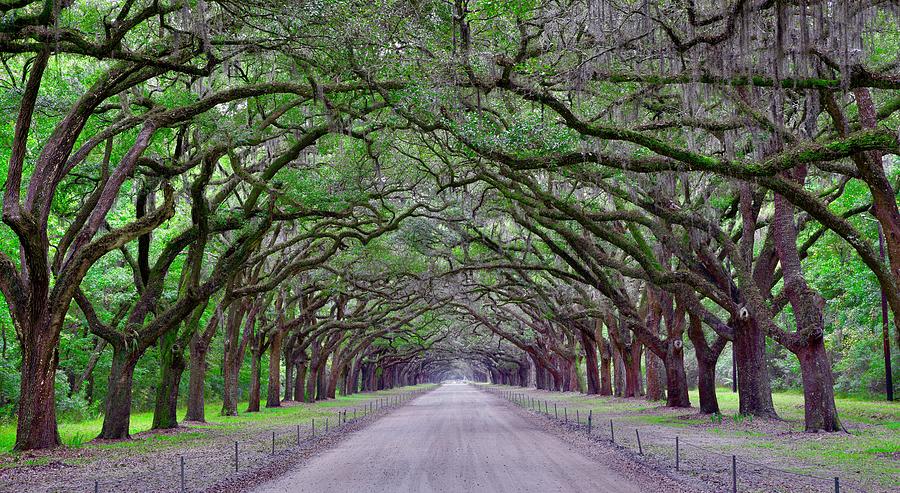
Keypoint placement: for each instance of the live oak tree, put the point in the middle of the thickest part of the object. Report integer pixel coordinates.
(371, 195)
(662, 89)
(41, 285)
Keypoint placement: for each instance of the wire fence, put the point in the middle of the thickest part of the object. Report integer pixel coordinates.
(729, 472)
(224, 461)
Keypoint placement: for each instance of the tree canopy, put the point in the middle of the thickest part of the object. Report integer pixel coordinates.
(346, 195)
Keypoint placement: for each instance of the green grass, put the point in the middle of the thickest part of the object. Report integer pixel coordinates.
(78, 434)
(154, 442)
(37, 461)
(789, 406)
(653, 419)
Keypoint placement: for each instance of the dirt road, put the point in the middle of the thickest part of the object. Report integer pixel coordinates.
(453, 439)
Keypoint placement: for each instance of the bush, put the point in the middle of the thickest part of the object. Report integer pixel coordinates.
(70, 408)
(9, 390)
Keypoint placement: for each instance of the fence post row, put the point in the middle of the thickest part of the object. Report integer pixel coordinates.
(522, 399)
(513, 397)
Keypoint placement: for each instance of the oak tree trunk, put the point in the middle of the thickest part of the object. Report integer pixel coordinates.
(300, 382)
(235, 345)
(273, 395)
(171, 368)
(618, 372)
(230, 388)
(706, 386)
(322, 381)
(117, 415)
(288, 380)
(657, 377)
(540, 377)
(633, 380)
(808, 340)
(255, 362)
(196, 405)
(590, 360)
(820, 412)
(523, 374)
(337, 369)
(311, 380)
(707, 356)
(656, 371)
(676, 377)
(36, 427)
(754, 388)
(353, 378)
(605, 365)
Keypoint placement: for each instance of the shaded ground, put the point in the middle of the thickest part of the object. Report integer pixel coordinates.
(772, 455)
(457, 438)
(152, 460)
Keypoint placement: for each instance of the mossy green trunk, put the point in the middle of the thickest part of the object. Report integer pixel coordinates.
(171, 368)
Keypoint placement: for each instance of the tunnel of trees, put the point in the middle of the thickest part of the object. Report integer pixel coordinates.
(279, 200)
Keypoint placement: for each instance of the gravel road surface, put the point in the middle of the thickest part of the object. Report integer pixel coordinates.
(453, 439)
